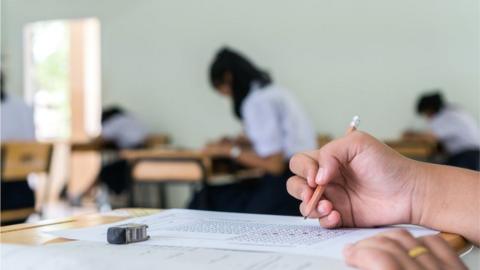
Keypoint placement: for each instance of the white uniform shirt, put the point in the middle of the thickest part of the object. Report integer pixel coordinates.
(456, 130)
(275, 123)
(124, 130)
(17, 120)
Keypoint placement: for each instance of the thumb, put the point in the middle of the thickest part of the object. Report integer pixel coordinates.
(335, 156)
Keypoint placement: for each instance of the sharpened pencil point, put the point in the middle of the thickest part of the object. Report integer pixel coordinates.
(305, 217)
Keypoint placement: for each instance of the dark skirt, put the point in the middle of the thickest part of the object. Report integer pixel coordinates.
(266, 195)
(469, 159)
(116, 175)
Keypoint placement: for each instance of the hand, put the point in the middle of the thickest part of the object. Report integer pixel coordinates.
(390, 251)
(221, 149)
(368, 183)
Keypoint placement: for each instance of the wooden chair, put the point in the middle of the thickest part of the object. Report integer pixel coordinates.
(19, 159)
(164, 170)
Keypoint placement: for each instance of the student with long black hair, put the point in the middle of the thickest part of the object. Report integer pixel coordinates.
(275, 128)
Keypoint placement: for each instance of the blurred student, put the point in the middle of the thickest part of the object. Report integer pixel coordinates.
(457, 131)
(275, 127)
(17, 118)
(16, 125)
(120, 130)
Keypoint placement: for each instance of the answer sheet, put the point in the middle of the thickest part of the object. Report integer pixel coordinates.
(80, 255)
(234, 231)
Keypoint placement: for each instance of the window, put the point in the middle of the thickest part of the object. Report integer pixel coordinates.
(62, 76)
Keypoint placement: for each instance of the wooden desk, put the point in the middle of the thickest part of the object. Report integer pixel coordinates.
(213, 175)
(410, 148)
(413, 149)
(35, 233)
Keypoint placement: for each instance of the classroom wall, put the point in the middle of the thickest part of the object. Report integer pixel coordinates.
(340, 58)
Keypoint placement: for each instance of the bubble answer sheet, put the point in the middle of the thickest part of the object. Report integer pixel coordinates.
(234, 231)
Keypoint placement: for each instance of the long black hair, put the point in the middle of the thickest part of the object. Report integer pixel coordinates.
(243, 72)
(431, 102)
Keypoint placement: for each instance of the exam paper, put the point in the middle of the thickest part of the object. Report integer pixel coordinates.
(95, 255)
(234, 231)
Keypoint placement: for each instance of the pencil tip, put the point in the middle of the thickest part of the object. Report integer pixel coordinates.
(305, 217)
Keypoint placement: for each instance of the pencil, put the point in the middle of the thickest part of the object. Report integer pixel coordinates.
(317, 194)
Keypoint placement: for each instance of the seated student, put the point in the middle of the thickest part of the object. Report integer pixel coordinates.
(368, 184)
(457, 131)
(274, 124)
(121, 130)
(16, 125)
(17, 118)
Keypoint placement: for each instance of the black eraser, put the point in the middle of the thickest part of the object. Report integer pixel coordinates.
(116, 235)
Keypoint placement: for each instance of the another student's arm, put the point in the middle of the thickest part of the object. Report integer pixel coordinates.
(273, 164)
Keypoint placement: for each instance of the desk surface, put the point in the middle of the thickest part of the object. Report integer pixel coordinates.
(36, 233)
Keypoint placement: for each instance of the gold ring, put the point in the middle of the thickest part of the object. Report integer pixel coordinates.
(417, 251)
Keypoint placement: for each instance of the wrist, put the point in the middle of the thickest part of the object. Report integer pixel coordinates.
(421, 200)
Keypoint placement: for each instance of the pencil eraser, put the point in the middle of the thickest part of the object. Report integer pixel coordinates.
(127, 233)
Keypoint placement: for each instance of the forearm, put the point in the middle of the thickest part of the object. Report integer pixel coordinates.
(273, 164)
(448, 199)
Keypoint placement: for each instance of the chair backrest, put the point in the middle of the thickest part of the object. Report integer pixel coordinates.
(157, 141)
(19, 159)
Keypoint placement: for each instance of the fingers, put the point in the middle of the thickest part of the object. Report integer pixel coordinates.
(427, 260)
(332, 220)
(392, 252)
(297, 187)
(392, 247)
(324, 208)
(319, 167)
(370, 258)
(443, 251)
(305, 166)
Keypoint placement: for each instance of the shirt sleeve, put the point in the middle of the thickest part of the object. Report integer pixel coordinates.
(443, 127)
(262, 126)
(110, 130)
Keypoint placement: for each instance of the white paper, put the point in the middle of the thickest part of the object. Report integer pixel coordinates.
(81, 255)
(233, 231)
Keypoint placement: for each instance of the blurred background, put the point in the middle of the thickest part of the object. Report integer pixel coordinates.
(70, 60)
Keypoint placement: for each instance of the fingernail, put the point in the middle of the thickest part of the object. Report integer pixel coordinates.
(320, 174)
(311, 179)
